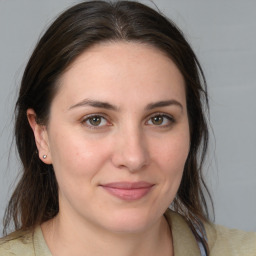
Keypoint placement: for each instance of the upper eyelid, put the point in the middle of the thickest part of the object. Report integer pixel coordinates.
(160, 114)
(85, 118)
(94, 114)
(170, 119)
(108, 119)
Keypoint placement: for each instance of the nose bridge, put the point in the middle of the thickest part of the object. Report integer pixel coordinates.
(131, 150)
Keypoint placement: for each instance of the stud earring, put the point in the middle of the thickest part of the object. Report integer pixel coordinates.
(44, 156)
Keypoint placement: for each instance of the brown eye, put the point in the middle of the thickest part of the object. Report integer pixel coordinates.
(157, 120)
(161, 120)
(95, 120)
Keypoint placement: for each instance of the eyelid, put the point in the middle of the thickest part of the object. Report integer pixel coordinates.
(168, 116)
(87, 117)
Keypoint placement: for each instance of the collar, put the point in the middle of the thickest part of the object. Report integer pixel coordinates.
(184, 242)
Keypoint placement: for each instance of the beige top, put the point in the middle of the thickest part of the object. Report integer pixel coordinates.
(222, 241)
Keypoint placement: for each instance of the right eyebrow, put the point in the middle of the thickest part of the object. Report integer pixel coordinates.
(94, 103)
(164, 103)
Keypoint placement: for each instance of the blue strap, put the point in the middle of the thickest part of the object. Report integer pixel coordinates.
(202, 249)
(204, 236)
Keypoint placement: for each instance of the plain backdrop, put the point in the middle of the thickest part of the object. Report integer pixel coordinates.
(223, 35)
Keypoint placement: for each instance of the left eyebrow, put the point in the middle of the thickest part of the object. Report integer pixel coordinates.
(165, 103)
(106, 105)
(95, 104)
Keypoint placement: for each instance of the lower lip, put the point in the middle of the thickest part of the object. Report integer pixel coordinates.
(128, 194)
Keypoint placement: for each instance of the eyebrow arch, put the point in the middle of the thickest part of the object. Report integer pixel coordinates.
(94, 103)
(163, 104)
(106, 105)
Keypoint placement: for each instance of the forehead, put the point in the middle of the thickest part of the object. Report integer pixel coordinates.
(122, 70)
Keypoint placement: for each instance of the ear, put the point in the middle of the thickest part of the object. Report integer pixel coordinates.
(41, 137)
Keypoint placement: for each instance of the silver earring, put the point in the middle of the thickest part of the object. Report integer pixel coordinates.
(44, 156)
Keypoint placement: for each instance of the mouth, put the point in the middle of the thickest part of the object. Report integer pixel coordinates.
(128, 191)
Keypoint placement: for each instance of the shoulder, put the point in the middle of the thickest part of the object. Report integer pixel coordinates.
(224, 241)
(17, 244)
(221, 240)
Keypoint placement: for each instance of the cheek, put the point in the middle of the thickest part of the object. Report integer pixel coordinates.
(76, 158)
(77, 165)
(174, 152)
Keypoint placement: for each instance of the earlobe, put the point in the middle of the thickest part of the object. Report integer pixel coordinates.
(41, 137)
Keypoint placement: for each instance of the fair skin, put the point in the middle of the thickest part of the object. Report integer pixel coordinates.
(118, 139)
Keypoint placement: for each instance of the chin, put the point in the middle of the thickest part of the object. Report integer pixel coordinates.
(131, 221)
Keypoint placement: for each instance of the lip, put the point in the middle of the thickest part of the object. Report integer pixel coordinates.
(128, 191)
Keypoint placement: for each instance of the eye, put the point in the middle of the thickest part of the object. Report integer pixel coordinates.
(161, 120)
(94, 121)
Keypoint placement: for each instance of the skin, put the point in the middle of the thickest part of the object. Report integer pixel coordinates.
(133, 140)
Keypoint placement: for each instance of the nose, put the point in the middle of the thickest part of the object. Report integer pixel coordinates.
(131, 150)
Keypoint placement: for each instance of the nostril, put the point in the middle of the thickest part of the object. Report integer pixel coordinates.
(131, 159)
(130, 150)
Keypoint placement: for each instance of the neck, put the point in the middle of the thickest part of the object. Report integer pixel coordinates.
(70, 238)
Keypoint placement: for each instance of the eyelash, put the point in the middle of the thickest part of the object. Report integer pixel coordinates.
(170, 119)
(90, 117)
(86, 119)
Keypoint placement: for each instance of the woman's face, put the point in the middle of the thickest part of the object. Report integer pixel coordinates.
(118, 136)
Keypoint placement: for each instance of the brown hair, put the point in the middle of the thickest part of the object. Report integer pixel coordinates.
(35, 198)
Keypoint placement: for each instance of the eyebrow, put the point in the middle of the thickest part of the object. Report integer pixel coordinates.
(94, 103)
(165, 103)
(106, 105)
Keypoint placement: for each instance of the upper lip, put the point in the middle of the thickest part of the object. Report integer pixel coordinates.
(128, 185)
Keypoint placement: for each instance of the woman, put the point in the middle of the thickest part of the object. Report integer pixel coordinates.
(111, 131)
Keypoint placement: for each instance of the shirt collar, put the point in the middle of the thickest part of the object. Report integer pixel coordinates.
(184, 242)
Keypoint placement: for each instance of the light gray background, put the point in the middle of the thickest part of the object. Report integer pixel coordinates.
(223, 35)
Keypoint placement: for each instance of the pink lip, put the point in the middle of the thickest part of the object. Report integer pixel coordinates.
(128, 190)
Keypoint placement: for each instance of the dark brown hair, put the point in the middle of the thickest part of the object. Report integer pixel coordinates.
(35, 198)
